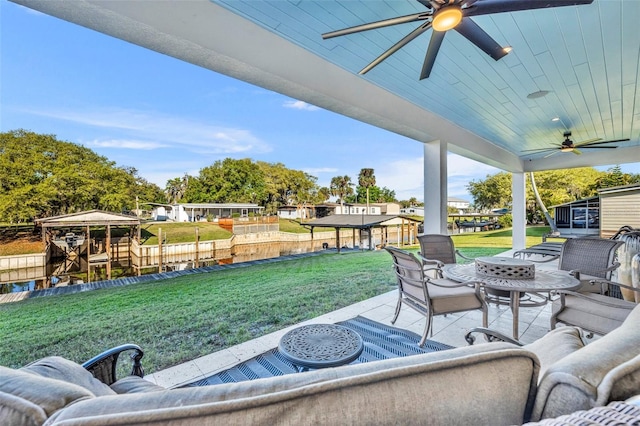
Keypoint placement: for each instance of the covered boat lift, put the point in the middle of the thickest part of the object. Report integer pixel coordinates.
(364, 222)
(85, 220)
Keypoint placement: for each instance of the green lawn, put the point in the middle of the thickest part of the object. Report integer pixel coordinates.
(178, 232)
(498, 238)
(180, 319)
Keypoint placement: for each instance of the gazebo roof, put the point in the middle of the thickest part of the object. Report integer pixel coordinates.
(88, 218)
(357, 221)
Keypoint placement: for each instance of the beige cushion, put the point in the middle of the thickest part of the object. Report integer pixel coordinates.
(555, 345)
(135, 384)
(454, 298)
(587, 313)
(55, 367)
(26, 398)
(459, 386)
(605, 370)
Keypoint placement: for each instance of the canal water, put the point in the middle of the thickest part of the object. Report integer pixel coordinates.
(72, 271)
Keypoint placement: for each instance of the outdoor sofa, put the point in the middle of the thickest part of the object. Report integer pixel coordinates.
(494, 383)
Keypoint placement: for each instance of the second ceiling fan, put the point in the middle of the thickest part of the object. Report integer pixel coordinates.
(444, 15)
(568, 145)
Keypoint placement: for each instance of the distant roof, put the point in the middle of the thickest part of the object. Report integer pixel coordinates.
(88, 218)
(212, 205)
(578, 203)
(623, 188)
(457, 200)
(358, 221)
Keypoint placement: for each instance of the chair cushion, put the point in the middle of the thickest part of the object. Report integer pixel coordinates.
(605, 370)
(587, 313)
(29, 399)
(55, 367)
(555, 345)
(135, 384)
(452, 299)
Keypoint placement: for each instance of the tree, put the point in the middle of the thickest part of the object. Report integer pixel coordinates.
(554, 187)
(493, 192)
(341, 187)
(41, 176)
(176, 188)
(615, 177)
(228, 181)
(366, 180)
(324, 194)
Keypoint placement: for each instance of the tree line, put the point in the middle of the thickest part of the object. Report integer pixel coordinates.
(41, 176)
(554, 186)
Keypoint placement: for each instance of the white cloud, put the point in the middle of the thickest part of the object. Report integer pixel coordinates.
(127, 144)
(464, 167)
(406, 176)
(318, 170)
(164, 130)
(300, 105)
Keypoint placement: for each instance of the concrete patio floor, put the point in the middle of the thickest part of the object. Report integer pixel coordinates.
(450, 329)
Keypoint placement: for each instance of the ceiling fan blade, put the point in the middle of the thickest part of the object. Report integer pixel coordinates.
(486, 7)
(378, 24)
(399, 45)
(432, 52)
(598, 147)
(557, 146)
(584, 144)
(576, 151)
(587, 142)
(555, 151)
(539, 150)
(476, 35)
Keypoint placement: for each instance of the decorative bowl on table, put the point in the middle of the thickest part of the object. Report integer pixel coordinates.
(505, 268)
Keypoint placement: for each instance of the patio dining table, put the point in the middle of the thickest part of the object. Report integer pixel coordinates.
(543, 281)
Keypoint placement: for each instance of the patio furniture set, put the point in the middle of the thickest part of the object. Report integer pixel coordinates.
(557, 375)
(495, 383)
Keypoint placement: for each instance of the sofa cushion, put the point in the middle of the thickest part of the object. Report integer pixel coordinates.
(606, 369)
(555, 345)
(135, 384)
(26, 398)
(492, 383)
(55, 367)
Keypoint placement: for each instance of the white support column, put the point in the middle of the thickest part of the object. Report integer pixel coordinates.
(435, 187)
(518, 210)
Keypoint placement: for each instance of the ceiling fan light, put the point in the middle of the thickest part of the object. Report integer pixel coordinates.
(446, 18)
(566, 149)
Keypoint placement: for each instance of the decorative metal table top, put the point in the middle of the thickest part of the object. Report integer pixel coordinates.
(543, 281)
(321, 346)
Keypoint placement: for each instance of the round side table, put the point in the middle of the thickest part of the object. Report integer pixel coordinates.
(320, 346)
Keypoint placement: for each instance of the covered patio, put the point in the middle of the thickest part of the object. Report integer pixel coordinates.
(567, 72)
(570, 69)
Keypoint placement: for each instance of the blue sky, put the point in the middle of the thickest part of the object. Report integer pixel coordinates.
(167, 118)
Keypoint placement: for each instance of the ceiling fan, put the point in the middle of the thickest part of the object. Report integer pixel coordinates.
(568, 145)
(444, 15)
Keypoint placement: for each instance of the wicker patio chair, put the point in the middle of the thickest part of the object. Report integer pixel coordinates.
(437, 247)
(590, 259)
(440, 248)
(432, 296)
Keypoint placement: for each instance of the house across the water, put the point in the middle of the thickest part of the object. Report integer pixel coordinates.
(196, 212)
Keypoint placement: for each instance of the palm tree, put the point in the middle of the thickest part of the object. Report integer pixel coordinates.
(176, 188)
(341, 187)
(366, 179)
